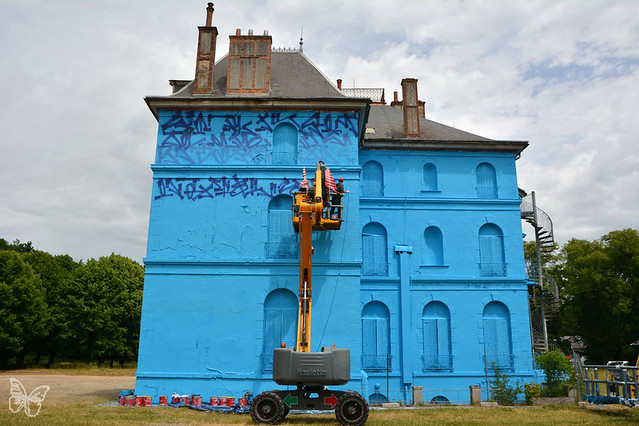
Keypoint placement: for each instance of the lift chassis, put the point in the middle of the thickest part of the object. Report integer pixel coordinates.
(310, 372)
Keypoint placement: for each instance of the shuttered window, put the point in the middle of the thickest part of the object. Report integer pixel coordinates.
(497, 335)
(374, 250)
(280, 323)
(284, 144)
(486, 181)
(372, 179)
(375, 336)
(282, 239)
(436, 337)
(491, 251)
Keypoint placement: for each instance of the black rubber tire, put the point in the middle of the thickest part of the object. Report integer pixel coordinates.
(267, 408)
(287, 409)
(351, 409)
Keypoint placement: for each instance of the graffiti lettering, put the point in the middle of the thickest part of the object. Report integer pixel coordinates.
(196, 189)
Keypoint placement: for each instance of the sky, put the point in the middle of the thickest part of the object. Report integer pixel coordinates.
(77, 139)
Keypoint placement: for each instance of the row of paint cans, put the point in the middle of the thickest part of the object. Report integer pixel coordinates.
(135, 401)
(227, 401)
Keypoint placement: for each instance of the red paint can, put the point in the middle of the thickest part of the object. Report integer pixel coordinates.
(175, 399)
(129, 401)
(230, 401)
(147, 401)
(185, 399)
(221, 400)
(242, 402)
(214, 400)
(196, 400)
(138, 401)
(163, 400)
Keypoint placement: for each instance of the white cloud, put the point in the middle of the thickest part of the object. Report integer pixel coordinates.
(78, 139)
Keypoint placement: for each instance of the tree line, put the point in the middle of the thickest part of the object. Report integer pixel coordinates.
(53, 308)
(598, 284)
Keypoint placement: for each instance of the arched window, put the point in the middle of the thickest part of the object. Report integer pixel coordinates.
(284, 144)
(436, 331)
(491, 251)
(430, 177)
(497, 340)
(486, 181)
(374, 250)
(434, 246)
(375, 336)
(280, 323)
(372, 179)
(282, 239)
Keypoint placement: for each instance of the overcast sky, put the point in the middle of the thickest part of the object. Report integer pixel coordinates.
(77, 138)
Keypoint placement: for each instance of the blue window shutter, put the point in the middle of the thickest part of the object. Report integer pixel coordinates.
(443, 337)
(372, 180)
(382, 336)
(285, 144)
(430, 337)
(369, 341)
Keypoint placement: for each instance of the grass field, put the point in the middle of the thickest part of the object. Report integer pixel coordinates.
(87, 397)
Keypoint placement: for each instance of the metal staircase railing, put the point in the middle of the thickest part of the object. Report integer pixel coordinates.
(545, 285)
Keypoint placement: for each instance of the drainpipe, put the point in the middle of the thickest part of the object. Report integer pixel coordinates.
(407, 349)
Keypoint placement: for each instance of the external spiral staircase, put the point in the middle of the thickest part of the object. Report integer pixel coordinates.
(544, 302)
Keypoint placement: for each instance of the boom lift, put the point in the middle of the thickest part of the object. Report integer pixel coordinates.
(310, 372)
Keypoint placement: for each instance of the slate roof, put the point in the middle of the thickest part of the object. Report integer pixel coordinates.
(292, 76)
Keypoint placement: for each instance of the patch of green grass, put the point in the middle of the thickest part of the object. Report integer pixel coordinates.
(86, 414)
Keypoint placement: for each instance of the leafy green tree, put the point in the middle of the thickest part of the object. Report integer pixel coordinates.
(23, 310)
(104, 304)
(55, 272)
(16, 245)
(558, 371)
(599, 283)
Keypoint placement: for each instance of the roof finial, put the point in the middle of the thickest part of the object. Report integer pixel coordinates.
(209, 14)
(301, 39)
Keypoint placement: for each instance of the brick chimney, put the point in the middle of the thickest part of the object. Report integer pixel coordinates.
(249, 63)
(411, 107)
(395, 103)
(205, 62)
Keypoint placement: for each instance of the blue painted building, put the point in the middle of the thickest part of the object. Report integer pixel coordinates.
(425, 281)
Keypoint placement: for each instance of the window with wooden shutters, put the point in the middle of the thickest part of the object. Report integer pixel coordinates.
(374, 250)
(284, 144)
(375, 336)
(437, 353)
(282, 239)
(497, 336)
(491, 251)
(486, 181)
(280, 323)
(372, 179)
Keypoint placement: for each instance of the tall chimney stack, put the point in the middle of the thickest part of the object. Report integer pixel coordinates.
(411, 107)
(205, 62)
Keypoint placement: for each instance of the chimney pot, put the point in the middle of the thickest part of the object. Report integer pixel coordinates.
(395, 98)
(339, 83)
(209, 14)
(250, 32)
(265, 32)
(238, 32)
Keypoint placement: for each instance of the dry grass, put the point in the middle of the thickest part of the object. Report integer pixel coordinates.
(96, 406)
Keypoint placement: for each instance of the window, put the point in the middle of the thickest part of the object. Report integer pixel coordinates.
(372, 179)
(284, 144)
(280, 323)
(375, 336)
(486, 181)
(430, 177)
(282, 239)
(491, 251)
(434, 247)
(497, 343)
(374, 250)
(437, 353)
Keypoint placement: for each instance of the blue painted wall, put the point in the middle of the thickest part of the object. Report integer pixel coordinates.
(219, 181)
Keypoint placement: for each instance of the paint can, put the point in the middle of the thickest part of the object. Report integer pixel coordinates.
(138, 401)
(147, 401)
(242, 402)
(196, 400)
(175, 399)
(163, 400)
(221, 400)
(230, 401)
(214, 400)
(186, 399)
(129, 401)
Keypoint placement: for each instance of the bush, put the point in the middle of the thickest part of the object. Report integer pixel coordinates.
(532, 391)
(503, 393)
(558, 371)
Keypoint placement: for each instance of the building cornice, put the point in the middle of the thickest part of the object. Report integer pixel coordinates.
(416, 144)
